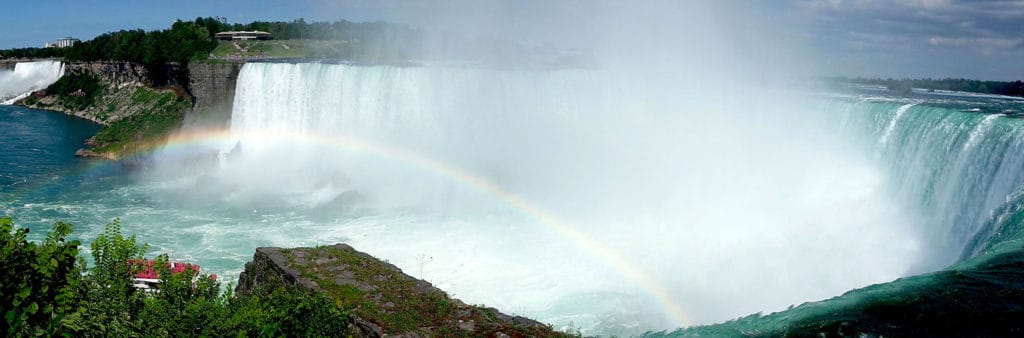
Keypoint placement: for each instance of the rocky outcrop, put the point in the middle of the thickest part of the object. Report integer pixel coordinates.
(381, 299)
(10, 63)
(116, 102)
(121, 73)
(213, 87)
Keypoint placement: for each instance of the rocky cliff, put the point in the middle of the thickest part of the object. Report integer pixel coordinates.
(135, 103)
(381, 299)
(212, 85)
(120, 73)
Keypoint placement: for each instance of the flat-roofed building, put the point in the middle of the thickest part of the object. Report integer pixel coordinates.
(63, 42)
(243, 35)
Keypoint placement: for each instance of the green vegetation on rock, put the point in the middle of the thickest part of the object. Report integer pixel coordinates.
(77, 91)
(133, 115)
(375, 291)
(161, 112)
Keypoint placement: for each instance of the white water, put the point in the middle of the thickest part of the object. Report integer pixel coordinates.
(732, 206)
(28, 77)
(884, 140)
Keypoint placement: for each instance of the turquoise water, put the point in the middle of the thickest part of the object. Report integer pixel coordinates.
(949, 164)
(38, 146)
(959, 160)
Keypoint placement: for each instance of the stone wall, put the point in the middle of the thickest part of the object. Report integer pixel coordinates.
(213, 89)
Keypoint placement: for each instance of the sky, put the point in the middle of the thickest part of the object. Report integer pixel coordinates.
(876, 38)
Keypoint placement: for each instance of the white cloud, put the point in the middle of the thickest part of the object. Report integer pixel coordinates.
(858, 5)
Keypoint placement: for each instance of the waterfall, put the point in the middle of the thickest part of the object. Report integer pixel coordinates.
(28, 77)
(731, 204)
(961, 170)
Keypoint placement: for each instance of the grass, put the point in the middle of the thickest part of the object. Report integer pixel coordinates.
(411, 310)
(264, 49)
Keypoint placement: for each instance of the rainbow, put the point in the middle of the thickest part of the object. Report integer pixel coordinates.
(217, 138)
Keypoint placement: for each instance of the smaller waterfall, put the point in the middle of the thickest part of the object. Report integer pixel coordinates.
(28, 77)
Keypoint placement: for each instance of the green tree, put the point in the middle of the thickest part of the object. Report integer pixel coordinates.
(37, 280)
(111, 302)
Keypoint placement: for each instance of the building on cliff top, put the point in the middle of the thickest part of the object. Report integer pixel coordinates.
(63, 42)
(243, 35)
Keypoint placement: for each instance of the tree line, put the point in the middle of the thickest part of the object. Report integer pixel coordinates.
(1009, 88)
(185, 41)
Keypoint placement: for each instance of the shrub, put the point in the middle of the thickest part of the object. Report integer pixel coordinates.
(44, 293)
(37, 280)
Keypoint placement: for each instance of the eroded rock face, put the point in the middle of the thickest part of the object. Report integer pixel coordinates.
(122, 73)
(213, 87)
(381, 298)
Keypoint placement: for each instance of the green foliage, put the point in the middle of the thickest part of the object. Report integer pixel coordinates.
(32, 53)
(161, 113)
(43, 293)
(110, 300)
(184, 41)
(282, 311)
(193, 40)
(37, 280)
(77, 91)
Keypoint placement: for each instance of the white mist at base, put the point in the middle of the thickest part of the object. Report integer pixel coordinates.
(731, 207)
(27, 77)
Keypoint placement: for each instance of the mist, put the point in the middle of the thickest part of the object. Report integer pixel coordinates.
(675, 151)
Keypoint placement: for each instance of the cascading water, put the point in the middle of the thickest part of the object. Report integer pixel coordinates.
(28, 77)
(678, 210)
(955, 161)
(959, 169)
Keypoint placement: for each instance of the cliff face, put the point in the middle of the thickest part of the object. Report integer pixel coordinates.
(120, 73)
(120, 91)
(213, 88)
(381, 299)
(135, 103)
